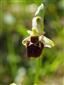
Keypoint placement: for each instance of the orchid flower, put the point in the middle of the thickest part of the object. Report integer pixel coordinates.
(36, 40)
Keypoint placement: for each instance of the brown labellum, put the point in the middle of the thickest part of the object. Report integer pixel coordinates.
(34, 47)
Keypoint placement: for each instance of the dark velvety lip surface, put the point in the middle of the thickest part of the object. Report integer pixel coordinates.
(34, 47)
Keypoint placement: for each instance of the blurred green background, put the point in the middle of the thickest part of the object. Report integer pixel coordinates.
(15, 19)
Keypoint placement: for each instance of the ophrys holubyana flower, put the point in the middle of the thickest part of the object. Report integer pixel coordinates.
(36, 41)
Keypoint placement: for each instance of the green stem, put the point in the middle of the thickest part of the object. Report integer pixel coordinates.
(38, 70)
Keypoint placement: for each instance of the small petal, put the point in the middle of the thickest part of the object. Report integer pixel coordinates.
(24, 42)
(47, 42)
(33, 32)
(29, 32)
